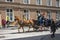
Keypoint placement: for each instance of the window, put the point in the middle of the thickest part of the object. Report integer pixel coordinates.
(38, 2)
(9, 0)
(26, 14)
(49, 2)
(57, 3)
(10, 14)
(49, 14)
(26, 1)
(57, 15)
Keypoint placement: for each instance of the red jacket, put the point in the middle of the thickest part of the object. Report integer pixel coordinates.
(3, 21)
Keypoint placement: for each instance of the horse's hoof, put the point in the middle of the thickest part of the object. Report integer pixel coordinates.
(41, 30)
(23, 31)
(18, 32)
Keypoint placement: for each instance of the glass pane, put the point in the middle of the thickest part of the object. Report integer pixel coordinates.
(7, 10)
(49, 2)
(58, 15)
(25, 1)
(10, 0)
(57, 3)
(38, 1)
(10, 10)
(7, 13)
(49, 14)
(26, 14)
(11, 16)
(24, 11)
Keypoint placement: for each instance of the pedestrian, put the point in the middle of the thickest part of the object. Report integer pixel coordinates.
(7, 21)
(53, 29)
(3, 23)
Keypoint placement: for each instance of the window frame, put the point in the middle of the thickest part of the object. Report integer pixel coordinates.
(9, 1)
(27, 14)
(26, 3)
(49, 13)
(38, 1)
(57, 15)
(49, 3)
(58, 3)
(9, 14)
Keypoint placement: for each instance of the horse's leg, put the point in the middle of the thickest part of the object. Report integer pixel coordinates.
(22, 28)
(33, 28)
(19, 29)
(40, 28)
(48, 28)
(29, 29)
(43, 27)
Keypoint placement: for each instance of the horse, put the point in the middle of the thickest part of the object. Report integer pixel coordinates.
(23, 23)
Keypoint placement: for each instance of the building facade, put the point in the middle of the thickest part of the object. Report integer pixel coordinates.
(30, 9)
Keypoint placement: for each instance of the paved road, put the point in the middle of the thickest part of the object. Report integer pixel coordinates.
(11, 34)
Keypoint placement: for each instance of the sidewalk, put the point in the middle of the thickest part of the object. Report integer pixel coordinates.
(8, 34)
(23, 35)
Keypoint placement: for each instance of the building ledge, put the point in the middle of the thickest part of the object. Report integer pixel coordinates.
(26, 6)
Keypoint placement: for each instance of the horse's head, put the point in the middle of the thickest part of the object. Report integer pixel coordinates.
(17, 18)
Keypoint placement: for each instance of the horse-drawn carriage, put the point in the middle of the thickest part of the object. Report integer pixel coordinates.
(32, 23)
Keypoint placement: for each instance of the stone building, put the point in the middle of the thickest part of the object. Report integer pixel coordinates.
(30, 9)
